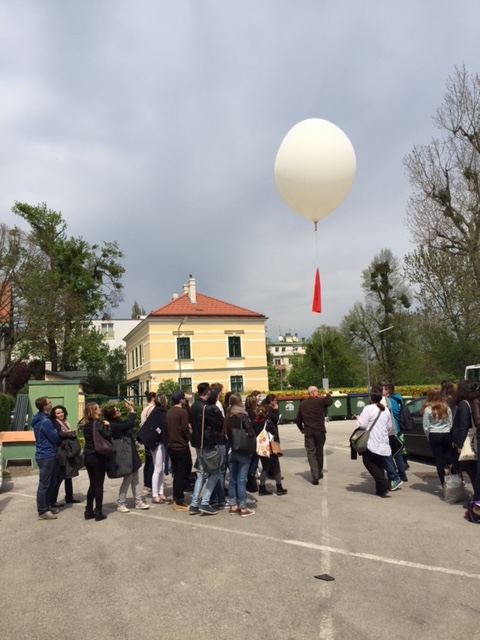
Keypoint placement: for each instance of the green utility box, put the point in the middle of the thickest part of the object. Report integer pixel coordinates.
(339, 409)
(288, 408)
(356, 402)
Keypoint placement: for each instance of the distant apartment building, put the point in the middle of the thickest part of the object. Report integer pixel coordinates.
(114, 331)
(284, 350)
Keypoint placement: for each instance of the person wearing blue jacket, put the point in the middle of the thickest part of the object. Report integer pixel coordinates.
(46, 441)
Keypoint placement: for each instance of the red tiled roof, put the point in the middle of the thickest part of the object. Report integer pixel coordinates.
(204, 306)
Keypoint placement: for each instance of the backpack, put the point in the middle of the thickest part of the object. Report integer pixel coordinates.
(405, 419)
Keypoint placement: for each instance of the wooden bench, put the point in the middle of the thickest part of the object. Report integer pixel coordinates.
(18, 446)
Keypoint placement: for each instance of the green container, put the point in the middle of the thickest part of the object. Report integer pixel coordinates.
(339, 408)
(288, 408)
(356, 403)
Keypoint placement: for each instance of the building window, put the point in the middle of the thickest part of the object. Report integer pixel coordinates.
(234, 347)
(183, 349)
(278, 361)
(106, 329)
(185, 384)
(236, 384)
(136, 357)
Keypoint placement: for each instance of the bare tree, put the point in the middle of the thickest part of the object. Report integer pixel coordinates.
(443, 212)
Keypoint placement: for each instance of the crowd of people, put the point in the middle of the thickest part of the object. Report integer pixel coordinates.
(223, 437)
(449, 414)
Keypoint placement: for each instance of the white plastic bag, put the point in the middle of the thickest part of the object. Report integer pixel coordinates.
(263, 443)
(454, 486)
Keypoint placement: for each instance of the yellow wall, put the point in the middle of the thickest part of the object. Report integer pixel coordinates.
(156, 339)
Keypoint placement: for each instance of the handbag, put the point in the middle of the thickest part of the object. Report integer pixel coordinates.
(275, 448)
(468, 452)
(263, 443)
(121, 464)
(241, 442)
(101, 445)
(454, 487)
(210, 459)
(359, 438)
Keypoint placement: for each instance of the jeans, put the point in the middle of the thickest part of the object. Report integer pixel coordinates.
(96, 468)
(181, 460)
(314, 443)
(202, 478)
(134, 481)
(218, 493)
(237, 487)
(46, 484)
(390, 469)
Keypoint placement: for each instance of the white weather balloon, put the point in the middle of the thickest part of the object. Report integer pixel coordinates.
(315, 168)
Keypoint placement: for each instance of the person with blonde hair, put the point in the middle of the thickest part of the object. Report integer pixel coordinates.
(437, 424)
(239, 462)
(95, 463)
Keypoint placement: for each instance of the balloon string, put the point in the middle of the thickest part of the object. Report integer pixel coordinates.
(316, 242)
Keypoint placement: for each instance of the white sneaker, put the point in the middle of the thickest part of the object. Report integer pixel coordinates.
(123, 509)
(48, 515)
(142, 505)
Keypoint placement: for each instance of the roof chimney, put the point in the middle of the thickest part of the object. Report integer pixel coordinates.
(174, 296)
(184, 289)
(192, 292)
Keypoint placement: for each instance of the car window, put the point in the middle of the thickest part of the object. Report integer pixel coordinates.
(415, 406)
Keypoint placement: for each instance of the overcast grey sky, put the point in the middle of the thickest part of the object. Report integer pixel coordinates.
(156, 123)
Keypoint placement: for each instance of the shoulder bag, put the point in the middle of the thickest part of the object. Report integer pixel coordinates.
(101, 445)
(240, 440)
(210, 459)
(359, 438)
(121, 464)
(468, 452)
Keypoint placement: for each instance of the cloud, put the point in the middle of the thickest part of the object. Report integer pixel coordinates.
(157, 124)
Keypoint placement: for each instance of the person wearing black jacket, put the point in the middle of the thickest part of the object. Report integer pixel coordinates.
(68, 456)
(124, 429)
(311, 422)
(155, 425)
(465, 394)
(95, 463)
(200, 423)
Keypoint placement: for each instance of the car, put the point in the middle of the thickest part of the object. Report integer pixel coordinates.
(416, 442)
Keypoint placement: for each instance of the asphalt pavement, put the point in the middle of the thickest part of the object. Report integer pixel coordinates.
(406, 566)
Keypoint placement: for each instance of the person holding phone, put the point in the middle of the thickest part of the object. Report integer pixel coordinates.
(124, 428)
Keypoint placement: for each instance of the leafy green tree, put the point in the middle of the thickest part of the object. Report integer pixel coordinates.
(167, 387)
(137, 310)
(328, 354)
(381, 324)
(273, 375)
(73, 282)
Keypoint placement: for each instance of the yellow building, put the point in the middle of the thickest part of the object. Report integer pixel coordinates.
(195, 338)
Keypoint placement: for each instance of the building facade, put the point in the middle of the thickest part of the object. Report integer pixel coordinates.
(114, 331)
(195, 338)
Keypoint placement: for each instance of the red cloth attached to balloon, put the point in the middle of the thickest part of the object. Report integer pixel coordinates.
(317, 294)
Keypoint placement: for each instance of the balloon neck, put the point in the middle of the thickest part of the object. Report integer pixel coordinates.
(315, 223)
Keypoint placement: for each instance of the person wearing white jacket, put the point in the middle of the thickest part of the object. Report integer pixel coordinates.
(376, 418)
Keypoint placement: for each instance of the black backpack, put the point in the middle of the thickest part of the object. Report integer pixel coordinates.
(405, 419)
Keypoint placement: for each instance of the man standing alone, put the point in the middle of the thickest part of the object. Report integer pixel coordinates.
(311, 422)
(46, 440)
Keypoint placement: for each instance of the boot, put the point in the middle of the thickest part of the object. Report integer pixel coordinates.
(280, 490)
(252, 483)
(99, 516)
(89, 514)
(263, 491)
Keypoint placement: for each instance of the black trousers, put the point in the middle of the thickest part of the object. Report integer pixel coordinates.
(68, 489)
(441, 446)
(96, 467)
(375, 465)
(181, 460)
